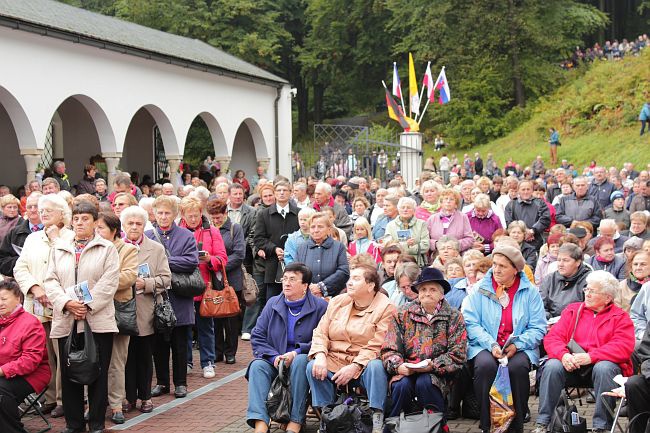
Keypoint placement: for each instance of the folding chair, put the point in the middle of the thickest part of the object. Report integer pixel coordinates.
(617, 409)
(34, 406)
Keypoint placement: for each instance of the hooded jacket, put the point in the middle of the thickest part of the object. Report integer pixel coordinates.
(559, 291)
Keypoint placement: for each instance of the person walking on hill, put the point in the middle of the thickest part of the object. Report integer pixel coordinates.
(644, 116)
(554, 142)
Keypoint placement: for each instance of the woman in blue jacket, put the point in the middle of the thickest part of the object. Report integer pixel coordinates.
(504, 318)
(553, 142)
(283, 333)
(644, 116)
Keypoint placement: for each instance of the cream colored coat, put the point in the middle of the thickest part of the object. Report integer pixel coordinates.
(99, 264)
(31, 266)
(128, 270)
(153, 253)
(345, 336)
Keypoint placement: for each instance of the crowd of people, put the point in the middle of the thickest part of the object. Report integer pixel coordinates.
(611, 50)
(412, 297)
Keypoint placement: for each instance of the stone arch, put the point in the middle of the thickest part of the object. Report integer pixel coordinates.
(21, 124)
(218, 138)
(166, 129)
(261, 151)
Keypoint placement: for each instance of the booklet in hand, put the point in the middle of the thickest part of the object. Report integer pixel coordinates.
(143, 271)
(403, 235)
(80, 293)
(509, 341)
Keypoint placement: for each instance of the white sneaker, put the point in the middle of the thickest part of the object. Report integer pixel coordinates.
(246, 336)
(208, 371)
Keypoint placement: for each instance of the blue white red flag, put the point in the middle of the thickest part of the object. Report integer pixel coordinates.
(397, 84)
(444, 95)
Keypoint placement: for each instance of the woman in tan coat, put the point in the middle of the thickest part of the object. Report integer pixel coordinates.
(92, 259)
(151, 255)
(109, 228)
(346, 344)
(30, 271)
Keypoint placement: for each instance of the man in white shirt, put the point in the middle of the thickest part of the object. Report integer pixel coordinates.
(444, 165)
(300, 196)
(377, 209)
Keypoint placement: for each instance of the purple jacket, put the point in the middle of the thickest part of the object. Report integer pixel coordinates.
(269, 337)
(459, 228)
(183, 257)
(485, 227)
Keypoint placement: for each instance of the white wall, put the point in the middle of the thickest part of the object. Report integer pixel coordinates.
(41, 72)
(138, 149)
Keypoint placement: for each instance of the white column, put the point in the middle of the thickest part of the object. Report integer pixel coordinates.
(410, 157)
(112, 162)
(224, 163)
(174, 162)
(32, 159)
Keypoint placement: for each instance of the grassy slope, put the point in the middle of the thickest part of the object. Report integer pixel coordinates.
(596, 114)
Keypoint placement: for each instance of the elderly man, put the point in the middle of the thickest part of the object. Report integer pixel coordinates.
(168, 189)
(377, 210)
(609, 229)
(641, 202)
(466, 188)
(61, 176)
(51, 186)
(532, 211)
(554, 191)
(300, 197)
(244, 215)
(323, 198)
(565, 285)
(601, 189)
(122, 183)
(578, 206)
(14, 240)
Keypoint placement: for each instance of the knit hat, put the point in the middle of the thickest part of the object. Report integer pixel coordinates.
(513, 254)
(634, 243)
(554, 239)
(615, 195)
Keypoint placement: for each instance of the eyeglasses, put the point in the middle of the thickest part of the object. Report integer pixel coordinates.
(46, 211)
(290, 280)
(590, 290)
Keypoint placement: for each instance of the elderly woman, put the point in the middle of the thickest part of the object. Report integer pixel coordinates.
(360, 207)
(121, 201)
(603, 342)
(109, 228)
(347, 342)
(638, 226)
(410, 232)
(545, 261)
(606, 259)
(91, 259)
(504, 318)
(283, 333)
(517, 231)
(427, 329)
(23, 357)
(10, 206)
(484, 222)
(183, 256)
(325, 257)
(565, 285)
(363, 242)
(638, 269)
(405, 276)
(227, 330)
(465, 286)
(449, 221)
(153, 278)
(146, 203)
(212, 254)
(30, 271)
(430, 192)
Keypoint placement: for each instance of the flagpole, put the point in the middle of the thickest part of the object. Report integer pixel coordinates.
(401, 96)
(429, 100)
(422, 91)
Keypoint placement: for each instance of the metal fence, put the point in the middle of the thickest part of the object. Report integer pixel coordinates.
(48, 148)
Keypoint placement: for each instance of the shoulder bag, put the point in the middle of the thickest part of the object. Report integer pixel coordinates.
(126, 316)
(250, 290)
(81, 357)
(164, 318)
(347, 414)
(424, 422)
(572, 345)
(184, 284)
(219, 299)
(278, 401)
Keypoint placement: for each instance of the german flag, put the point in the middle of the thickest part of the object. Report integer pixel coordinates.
(395, 111)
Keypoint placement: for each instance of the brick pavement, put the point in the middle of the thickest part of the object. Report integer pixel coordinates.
(223, 409)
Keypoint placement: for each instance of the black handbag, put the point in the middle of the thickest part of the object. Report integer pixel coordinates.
(164, 318)
(278, 401)
(185, 284)
(126, 316)
(562, 422)
(347, 415)
(424, 422)
(81, 356)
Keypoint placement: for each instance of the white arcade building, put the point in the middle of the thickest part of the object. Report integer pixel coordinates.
(74, 84)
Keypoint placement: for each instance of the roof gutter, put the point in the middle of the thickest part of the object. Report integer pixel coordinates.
(17, 24)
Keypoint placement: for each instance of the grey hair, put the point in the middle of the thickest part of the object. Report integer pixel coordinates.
(168, 185)
(517, 224)
(134, 212)
(449, 240)
(58, 203)
(608, 223)
(407, 201)
(300, 185)
(605, 281)
(430, 184)
(482, 201)
(201, 192)
(393, 199)
(407, 269)
(146, 203)
(325, 187)
(572, 250)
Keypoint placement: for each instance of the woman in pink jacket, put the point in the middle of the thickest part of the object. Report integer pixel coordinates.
(449, 221)
(23, 356)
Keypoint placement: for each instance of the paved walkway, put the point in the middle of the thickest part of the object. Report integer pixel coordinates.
(219, 406)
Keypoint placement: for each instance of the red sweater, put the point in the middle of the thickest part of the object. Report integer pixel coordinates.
(606, 336)
(22, 349)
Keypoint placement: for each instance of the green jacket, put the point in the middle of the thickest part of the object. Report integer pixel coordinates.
(418, 232)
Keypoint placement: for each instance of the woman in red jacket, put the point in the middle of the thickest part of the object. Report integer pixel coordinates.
(240, 178)
(23, 356)
(600, 348)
